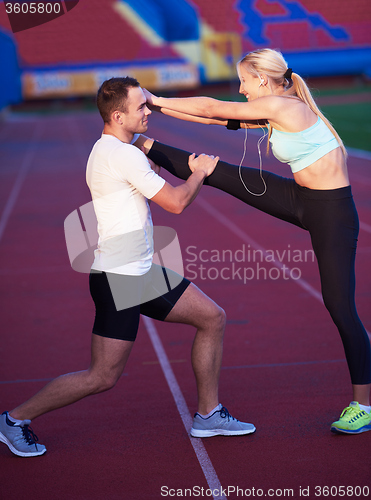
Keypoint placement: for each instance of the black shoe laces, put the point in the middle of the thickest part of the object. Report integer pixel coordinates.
(224, 413)
(29, 435)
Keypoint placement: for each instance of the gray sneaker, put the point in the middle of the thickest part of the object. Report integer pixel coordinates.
(220, 423)
(20, 437)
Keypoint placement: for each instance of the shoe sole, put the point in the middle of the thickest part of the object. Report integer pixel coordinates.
(6, 441)
(336, 430)
(219, 432)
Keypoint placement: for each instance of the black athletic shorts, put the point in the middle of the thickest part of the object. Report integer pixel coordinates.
(117, 319)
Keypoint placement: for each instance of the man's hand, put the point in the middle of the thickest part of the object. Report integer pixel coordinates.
(154, 167)
(176, 199)
(203, 163)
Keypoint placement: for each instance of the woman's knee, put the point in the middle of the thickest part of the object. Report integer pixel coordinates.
(338, 307)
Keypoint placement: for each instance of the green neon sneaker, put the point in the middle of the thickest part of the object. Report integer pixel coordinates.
(353, 420)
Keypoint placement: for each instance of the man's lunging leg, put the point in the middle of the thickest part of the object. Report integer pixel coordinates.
(197, 309)
(108, 360)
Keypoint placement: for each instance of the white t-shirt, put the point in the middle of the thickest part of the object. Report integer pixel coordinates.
(120, 180)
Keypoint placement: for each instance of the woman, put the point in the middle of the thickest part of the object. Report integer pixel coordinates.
(318, 199)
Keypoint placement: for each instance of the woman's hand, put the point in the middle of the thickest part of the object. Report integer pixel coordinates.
(151, 98)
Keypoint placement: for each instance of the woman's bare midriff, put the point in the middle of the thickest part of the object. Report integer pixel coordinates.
(329, 172)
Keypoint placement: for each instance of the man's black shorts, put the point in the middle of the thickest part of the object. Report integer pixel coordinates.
(116, 322)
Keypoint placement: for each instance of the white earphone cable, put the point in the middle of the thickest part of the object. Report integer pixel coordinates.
(260, 140)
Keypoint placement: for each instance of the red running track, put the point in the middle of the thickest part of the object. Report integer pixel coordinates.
(283, 367)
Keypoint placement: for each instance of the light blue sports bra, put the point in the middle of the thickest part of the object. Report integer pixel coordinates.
(301, 149)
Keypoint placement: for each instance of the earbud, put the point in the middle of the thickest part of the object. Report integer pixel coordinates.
(261, 81)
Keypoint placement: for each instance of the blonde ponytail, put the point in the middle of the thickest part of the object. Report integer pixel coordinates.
(302, 91)
(272, 63)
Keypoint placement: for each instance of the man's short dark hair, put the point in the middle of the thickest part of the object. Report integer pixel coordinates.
(112, 95)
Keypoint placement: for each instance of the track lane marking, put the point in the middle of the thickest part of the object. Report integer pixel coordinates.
(201, 453)
(225, 221)
(22, 173)
(365, 227)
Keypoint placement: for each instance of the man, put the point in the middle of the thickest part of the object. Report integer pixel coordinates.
(121, 180)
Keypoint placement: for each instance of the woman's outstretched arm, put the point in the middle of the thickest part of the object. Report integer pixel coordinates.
(189, 118)
(209, 121)
(207, 107)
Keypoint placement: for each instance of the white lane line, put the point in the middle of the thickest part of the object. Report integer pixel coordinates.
(365, 227)
(25, 166)
(211, 210)
(75, 131)
(201, 453)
